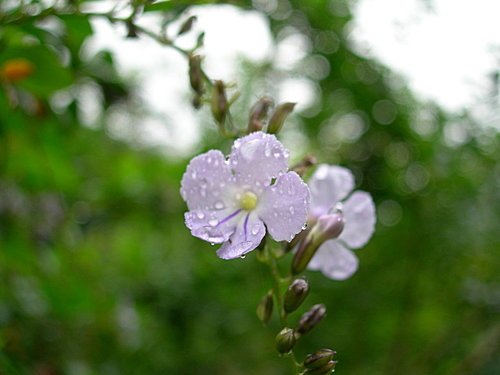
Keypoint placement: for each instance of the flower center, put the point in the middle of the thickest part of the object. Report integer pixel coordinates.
(248, 201)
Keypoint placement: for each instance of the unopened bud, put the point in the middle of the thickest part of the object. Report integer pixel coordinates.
(326, 369)
(326, 227)
(258, 113)
(279, 116)
(265, 308)
(187, 25)
(15, 70)
(310, 319)
(295, 295)
(195, 74)
(302, 166)
(219, 102)
(285, 340)
(318, 359)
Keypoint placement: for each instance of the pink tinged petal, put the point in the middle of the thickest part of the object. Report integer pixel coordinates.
(249, 233)
(207, 181)
(284, 206)
(359, 216)
(334, 261)
(329, 184)
(212, 226)
(258, 158)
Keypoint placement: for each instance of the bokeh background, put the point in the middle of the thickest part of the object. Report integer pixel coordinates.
(99, 274)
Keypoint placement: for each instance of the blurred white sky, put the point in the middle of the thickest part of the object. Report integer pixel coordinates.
(445, 53)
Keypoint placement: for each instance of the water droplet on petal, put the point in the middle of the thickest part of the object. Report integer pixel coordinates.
(219, 205)
(267, 151)
(243, 256)
(211, 243)
(292, 210)
(249, 149)
(213, 222)
(255, 230)
(200, 215)
(193, 175)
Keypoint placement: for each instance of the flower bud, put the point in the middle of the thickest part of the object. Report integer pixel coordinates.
(278, 117)
(258, 113)
(295, 294)
(329, 226)
(326, 227)
(187, 25)
(285, 340)
(326, 369)
(219, 102)
(265, 308)
(319, 359)
(195, 74)
(310, 319)
(15, 70)
(302, 166)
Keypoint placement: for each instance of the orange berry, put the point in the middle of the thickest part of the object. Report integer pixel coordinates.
(15, 70)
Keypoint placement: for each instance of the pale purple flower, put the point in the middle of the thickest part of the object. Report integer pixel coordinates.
(331, 188)
(233, 201)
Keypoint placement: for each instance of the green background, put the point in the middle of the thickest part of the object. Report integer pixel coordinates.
(99, 275)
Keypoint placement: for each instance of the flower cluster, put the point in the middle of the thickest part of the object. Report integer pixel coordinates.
(233, 201)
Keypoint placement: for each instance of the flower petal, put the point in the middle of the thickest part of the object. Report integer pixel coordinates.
(212, 226)
(206, 181)
(284, 206)
(258, 158)
(359, 216)
(334, 261)
(329, 184)
(249, 232)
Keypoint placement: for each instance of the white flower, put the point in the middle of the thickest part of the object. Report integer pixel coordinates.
(331, 192)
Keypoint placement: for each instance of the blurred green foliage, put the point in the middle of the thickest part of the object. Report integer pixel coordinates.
(100, 276)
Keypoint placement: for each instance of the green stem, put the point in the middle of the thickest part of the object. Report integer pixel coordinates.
(278, 282)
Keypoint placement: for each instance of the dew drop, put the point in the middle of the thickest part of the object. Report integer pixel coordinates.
(213, 222)
(277, 155)
(193, 175)
(243, 256)
(211, 243)
(219, 205)
(255, 230)
(209, 160)
(200, 215)
(267, 151)
(292, 210)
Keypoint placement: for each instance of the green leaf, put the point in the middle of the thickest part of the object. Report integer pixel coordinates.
(78, 29)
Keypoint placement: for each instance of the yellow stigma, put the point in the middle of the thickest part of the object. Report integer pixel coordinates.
(248, 201)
